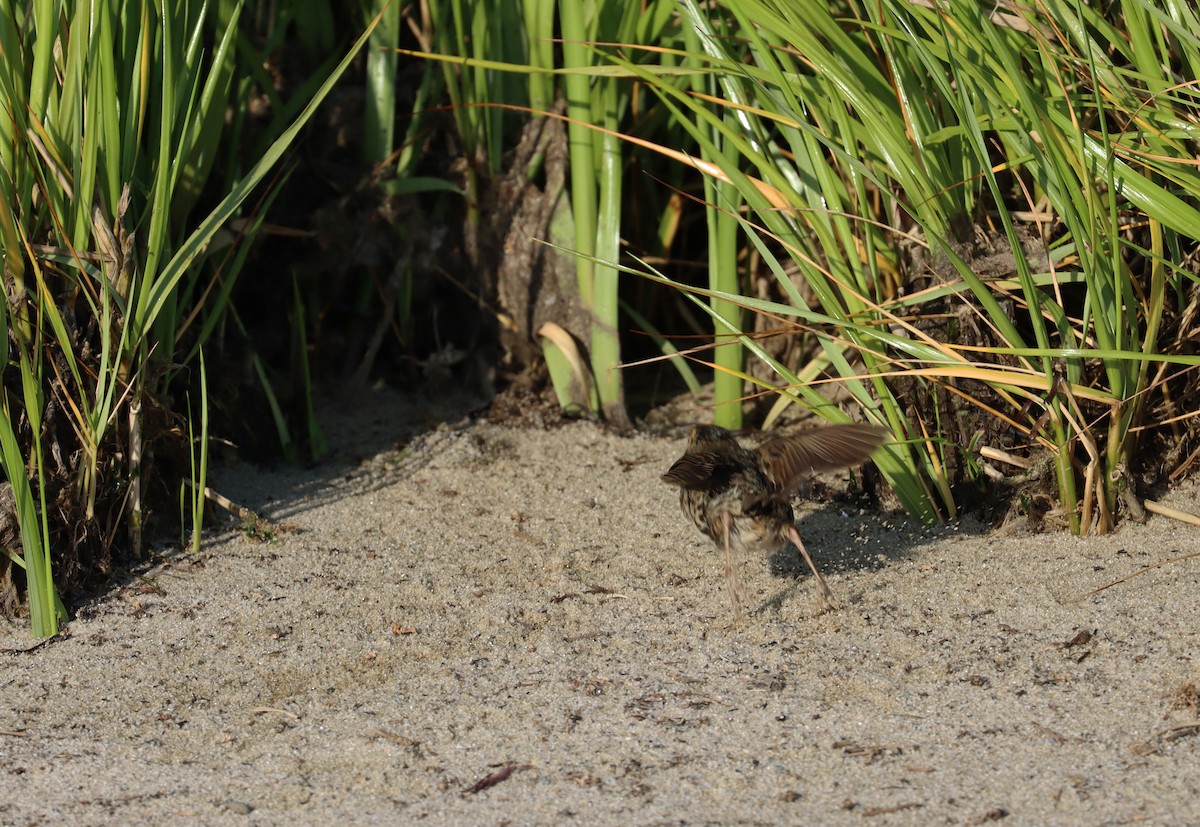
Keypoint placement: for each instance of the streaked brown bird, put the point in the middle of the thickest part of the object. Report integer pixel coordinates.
(741, 497)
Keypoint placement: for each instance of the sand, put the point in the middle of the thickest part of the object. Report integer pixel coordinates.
(505, 626)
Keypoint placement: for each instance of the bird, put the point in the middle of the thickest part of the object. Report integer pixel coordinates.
(741, 497)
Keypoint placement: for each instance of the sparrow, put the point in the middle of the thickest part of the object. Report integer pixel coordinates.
(741, 497)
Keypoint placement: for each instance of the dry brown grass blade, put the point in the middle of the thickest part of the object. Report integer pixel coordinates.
(1167, 511)
(579, 392)
(1141, 571)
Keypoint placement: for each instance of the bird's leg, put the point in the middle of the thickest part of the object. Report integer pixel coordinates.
(826, 596)
(731, 578)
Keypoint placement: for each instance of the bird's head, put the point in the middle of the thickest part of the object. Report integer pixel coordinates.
(708, 437)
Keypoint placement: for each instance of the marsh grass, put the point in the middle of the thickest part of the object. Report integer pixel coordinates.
(114, 119)
(981, 228)
(978, 229)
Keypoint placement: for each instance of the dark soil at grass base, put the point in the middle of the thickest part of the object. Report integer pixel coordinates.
(496, 625)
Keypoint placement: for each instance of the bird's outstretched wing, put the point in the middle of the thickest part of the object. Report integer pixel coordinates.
(699, 470)
(787, 460)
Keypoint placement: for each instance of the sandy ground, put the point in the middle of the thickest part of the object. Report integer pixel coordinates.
(499, 626)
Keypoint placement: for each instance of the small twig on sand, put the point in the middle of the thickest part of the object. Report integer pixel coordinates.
(495, 778)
